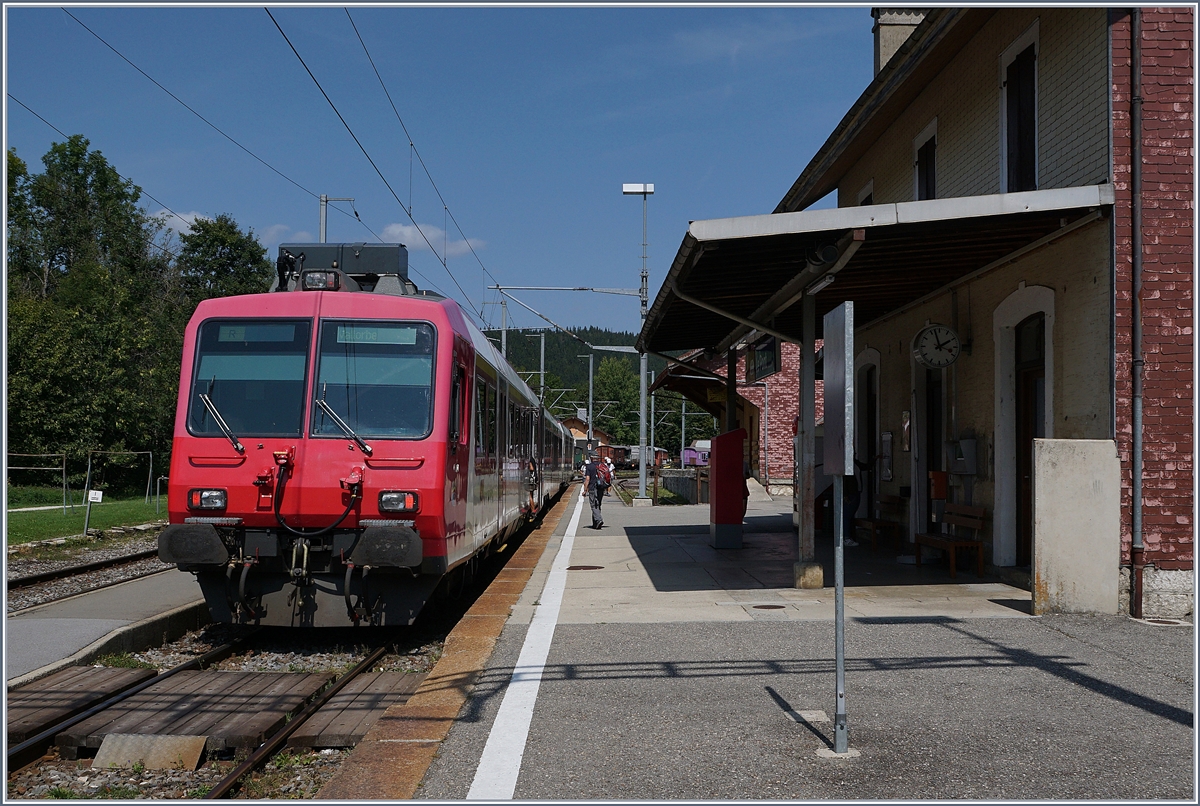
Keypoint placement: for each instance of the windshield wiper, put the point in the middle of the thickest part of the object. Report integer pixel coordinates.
(220, 421)
(340, 423)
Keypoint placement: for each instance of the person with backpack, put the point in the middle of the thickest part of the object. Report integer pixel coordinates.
(606, 473)
(594, 487)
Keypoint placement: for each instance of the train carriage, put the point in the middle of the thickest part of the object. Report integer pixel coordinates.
(345, 443)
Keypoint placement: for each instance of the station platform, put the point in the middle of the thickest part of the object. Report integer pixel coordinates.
(639, 663)
(43, 639)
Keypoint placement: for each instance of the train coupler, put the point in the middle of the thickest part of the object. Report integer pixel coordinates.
(300, 573)
(360, 607)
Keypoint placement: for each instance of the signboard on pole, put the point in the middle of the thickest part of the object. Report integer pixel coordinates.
(839, 390)
(839, 463)
(95, 496)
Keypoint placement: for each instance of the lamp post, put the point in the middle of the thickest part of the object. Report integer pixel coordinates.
(643, 190)
(590, 418)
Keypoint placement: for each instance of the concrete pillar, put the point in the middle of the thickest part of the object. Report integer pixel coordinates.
(808, 572)
(731, 389)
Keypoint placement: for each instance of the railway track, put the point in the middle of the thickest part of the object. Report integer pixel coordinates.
(31, 590)
(201, 679)
(29, 580)
(283, 763)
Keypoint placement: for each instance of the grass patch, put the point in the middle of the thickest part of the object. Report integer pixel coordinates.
(123, 792)
(123, 661)
(666, 497)
(40, 496)
(62, 793)
(25, 527)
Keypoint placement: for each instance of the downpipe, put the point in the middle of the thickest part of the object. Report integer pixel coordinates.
(1137, 549)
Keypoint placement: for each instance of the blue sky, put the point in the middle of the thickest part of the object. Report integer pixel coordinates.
(528, 119)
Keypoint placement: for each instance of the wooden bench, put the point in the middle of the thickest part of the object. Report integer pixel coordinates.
(885, 505)
(959, 517)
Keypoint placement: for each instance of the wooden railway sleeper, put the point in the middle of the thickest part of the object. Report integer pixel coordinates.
(227, 784)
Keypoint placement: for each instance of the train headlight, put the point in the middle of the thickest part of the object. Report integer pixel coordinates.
(206, 499)
(322, 281)
(397, 501)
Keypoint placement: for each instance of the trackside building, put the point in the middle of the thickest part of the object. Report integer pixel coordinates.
(1023, 315)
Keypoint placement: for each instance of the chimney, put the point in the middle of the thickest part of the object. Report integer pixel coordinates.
(892, 27)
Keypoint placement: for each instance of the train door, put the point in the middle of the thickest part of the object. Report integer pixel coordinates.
(486, 483)
(458, 443)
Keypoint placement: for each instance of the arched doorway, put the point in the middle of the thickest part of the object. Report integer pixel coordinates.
(1024, 410)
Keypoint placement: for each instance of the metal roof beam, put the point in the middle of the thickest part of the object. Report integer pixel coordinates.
(741, 319)
(793, 291)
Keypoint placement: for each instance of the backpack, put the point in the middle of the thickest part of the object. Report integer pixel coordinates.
(605, 475)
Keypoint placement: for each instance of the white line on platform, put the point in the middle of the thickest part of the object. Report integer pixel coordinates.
(496, 776)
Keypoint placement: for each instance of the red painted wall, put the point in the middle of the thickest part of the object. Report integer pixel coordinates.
(1168, 85)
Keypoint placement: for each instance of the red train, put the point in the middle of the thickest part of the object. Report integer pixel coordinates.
(345, 443)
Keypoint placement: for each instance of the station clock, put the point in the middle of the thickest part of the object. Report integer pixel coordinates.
(936, 347)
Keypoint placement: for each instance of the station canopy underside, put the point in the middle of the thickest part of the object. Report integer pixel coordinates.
(888, 257)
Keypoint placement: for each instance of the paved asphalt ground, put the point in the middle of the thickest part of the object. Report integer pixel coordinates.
(666, 680)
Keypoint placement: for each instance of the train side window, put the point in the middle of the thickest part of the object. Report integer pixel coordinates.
(481, 407)
(456, 405)
(493, 404)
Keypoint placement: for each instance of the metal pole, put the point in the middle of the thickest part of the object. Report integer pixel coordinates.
(841, 739)
(654, 463)
(504, 328)
(325, 200)
(644, 367)
(542, 372)
(589, 358)
(87, 490)
(150, 477)
(64, 482)
(682, 429)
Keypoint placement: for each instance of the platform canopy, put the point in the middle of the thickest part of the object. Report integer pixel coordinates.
(733, 276)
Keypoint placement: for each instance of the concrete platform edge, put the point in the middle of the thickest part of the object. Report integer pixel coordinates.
(391, 760)
(150, 632)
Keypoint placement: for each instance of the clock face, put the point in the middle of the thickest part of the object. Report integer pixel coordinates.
(936, 347)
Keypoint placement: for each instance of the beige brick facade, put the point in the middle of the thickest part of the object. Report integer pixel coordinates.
(1076, 268)
(965, 99)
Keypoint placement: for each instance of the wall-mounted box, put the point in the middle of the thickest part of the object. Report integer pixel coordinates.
(960, 457)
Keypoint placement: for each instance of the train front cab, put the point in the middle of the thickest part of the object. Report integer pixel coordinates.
(336, 459)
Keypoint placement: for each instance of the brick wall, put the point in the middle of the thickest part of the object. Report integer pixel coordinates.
(1168, 78)
(784, 390)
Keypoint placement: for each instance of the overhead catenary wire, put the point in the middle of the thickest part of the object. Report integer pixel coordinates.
(150, 196)
(413, 150)
(142, 191)
(333, 106)
(212, 125)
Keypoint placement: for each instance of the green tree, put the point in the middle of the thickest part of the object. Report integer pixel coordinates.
(97, 307)
(217, 259)
(24, 230)
(616, 382)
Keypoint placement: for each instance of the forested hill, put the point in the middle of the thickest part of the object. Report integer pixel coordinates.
(562, 351)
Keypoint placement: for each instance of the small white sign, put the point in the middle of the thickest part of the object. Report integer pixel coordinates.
(95, 496)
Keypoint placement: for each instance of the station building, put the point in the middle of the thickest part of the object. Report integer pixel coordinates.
(1006, 283)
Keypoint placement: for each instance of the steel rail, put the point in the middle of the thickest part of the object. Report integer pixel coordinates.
(226, 785)
(34, 747)
(76, 570)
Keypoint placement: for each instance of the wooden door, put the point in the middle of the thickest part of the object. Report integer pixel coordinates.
(1031, 423)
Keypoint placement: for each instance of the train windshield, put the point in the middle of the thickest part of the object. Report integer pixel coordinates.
(253, 371)
(378, 377)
